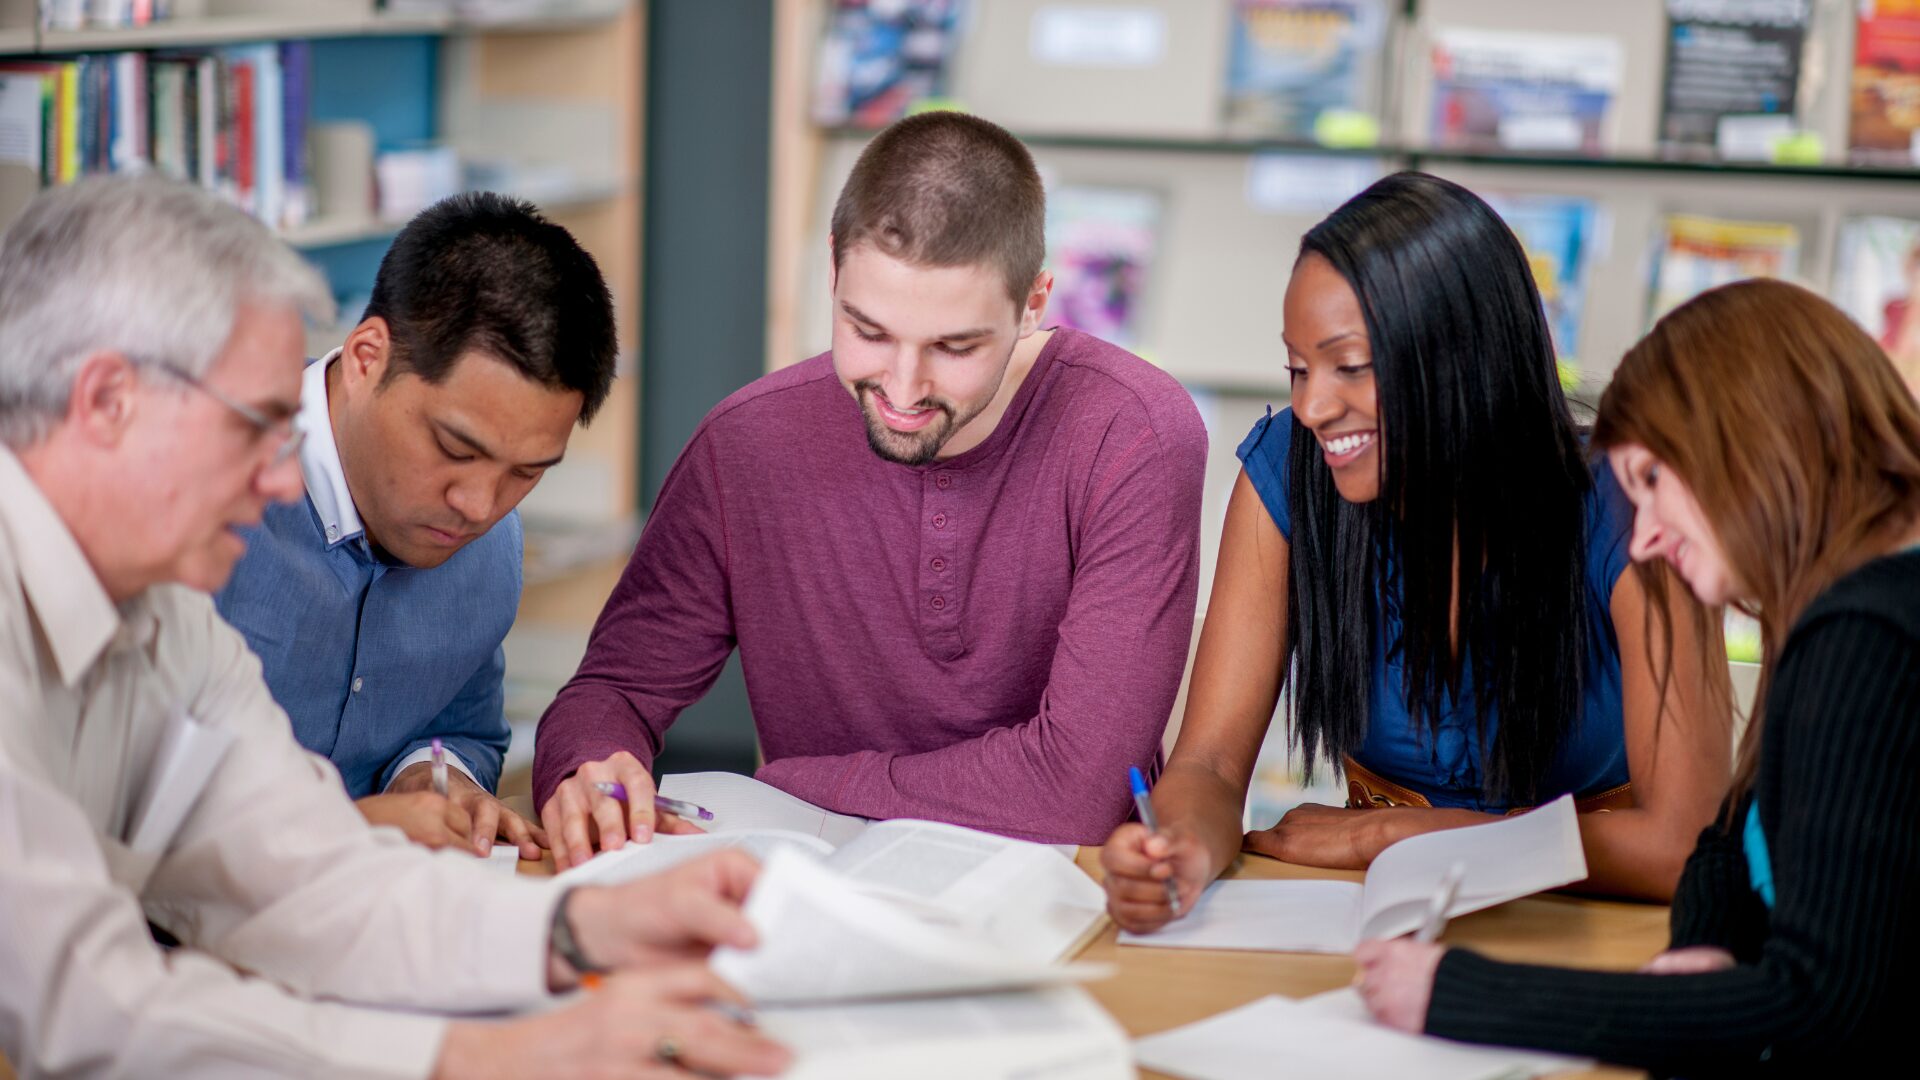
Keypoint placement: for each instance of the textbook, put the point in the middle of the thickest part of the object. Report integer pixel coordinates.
(1698, 253)
(938, 907)
(1053, 1034)
(1876, 279)
(1496, 90)
(1505, 860)
(1885, 128)
(1733, 76)
(881, 57)
(1100, 246)
(1557, 233)
(1331, 1036)
(1289, 62)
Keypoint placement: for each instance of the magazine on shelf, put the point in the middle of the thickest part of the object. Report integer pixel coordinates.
(1558, 235)
(879, 57)
(1876, 279)
(1732, 81)
(1292, 62)
(1101, 243)
(1498, 90)
(1697, 253)
(1885, 127)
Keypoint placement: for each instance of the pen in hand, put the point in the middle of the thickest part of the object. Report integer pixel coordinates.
(685, 809)
(439, 769)
(1144, 805)
(1438, 907)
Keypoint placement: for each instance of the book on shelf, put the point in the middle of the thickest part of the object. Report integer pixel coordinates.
(1498, 90)
(1697, 253)
(79, 14)
(1100, 248)
(1876, 279)
(1557, 233)
(233, 120)
(1885, 111)
(880, 57)
(1292, 62)
(1731, 88)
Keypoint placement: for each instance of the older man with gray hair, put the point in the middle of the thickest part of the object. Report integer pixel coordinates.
(150, 360)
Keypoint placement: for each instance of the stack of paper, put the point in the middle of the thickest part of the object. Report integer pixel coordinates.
(1331, 1036)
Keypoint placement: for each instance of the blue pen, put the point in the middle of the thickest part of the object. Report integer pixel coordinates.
(1145, 806)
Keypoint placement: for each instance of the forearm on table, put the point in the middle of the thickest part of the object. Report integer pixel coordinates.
(1635, 854)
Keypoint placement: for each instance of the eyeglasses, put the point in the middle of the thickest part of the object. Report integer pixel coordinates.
(265, 426)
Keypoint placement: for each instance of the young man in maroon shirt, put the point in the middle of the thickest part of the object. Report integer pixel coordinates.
(958, 553)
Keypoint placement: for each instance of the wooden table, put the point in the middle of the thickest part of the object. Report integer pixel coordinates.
(1157, 989)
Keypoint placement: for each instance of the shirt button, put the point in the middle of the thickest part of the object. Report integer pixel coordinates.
(943, 481)
(356, 684)
(939, 603)
(939, 521)
(938, 564)
(333, 532)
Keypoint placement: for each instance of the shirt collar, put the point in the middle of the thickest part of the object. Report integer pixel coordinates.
(320, 459)
(72, 607)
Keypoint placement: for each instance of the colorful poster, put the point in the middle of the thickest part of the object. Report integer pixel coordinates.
(1729, 63)
(1886, 84)
(879, 57)
(1531, 93)
(1699, 253)
(1291, 61)
(1101, 243)
(1876, 279)
(1557, 233)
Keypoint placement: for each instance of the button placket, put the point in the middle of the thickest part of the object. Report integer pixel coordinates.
(939, 597)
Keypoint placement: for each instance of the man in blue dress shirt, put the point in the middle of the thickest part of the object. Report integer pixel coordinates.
(378, 603)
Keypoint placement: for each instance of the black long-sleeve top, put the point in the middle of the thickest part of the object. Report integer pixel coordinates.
(1820, 987)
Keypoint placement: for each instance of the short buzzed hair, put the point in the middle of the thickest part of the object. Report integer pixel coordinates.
(947, 189)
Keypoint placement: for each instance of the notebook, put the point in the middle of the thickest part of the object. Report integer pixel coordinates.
(1505, 860)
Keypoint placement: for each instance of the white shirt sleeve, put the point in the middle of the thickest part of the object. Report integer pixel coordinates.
(425, 753)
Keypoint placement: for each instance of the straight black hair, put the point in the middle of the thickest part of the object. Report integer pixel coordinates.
(488, 273)
(1483, 493)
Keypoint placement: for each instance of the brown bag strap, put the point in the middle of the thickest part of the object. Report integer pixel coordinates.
(1367, 789)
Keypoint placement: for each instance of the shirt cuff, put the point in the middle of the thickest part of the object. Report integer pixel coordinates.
(425, 753)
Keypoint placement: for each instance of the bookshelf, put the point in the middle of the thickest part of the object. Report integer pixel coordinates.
(1155, 121)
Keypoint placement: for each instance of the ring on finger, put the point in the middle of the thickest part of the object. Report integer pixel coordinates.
(667, 1050)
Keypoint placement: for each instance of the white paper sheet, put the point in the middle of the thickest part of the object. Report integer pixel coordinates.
(741, 802)
(1323, 1042)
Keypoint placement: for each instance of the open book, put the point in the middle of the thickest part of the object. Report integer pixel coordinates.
(1505, 860)
(942, 908)
(1331, 1036)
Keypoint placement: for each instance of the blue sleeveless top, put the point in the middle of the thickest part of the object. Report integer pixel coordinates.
(1446, 767)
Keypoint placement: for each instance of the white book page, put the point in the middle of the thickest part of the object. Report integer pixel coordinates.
(1505, 860)
(1054, 1034)
(741, 802)
(1318, 1044)
(823, 939)
(666, 850)
(1023, 895)
(1278, 916)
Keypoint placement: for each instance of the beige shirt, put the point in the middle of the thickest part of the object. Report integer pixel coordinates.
(272, 871)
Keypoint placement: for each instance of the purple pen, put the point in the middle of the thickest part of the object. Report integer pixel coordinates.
(660, 802)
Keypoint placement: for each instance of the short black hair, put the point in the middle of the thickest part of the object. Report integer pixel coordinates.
(487, 272)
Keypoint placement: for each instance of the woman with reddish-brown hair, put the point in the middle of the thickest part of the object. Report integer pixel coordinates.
(1772, 455)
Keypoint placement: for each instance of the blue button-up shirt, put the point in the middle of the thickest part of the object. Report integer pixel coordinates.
(372, 659)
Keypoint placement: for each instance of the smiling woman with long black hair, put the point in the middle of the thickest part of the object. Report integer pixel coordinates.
(1440, 576)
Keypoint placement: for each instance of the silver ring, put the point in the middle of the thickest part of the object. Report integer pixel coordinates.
(667, 1050)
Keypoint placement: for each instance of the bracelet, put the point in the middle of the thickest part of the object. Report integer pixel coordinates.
(566, 945)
